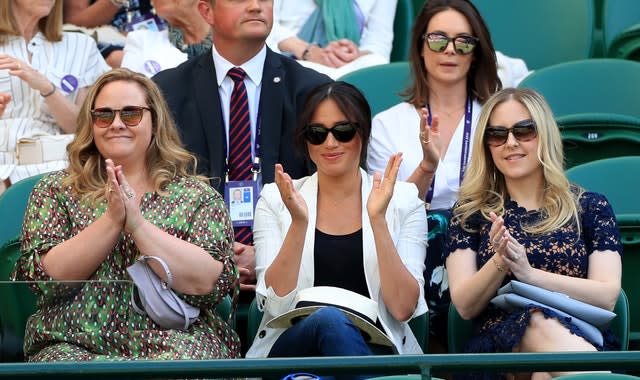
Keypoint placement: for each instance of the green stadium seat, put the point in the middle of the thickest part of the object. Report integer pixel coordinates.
(419, 326)
(381, 84)
(13, 203)
(621, 29)
(618, 179)
(460, 331)
(595, 103)
(402, 24)
(542, 32)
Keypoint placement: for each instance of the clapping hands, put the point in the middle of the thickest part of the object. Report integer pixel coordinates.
(124, 204)
(512, 253)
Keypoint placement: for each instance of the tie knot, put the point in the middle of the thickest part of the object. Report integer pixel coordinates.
(237, 74)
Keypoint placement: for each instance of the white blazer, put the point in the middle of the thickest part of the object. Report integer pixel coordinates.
(407, 223)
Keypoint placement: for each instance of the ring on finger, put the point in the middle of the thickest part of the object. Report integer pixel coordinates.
(19, 66)
(515, 257)
(497, 241)
(426, 141)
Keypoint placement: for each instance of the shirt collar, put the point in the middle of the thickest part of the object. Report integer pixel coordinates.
(253, 67)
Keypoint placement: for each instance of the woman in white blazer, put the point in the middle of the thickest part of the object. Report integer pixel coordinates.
(339, 227)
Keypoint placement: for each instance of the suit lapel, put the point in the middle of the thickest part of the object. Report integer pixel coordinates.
(271, 105)
(208, 101)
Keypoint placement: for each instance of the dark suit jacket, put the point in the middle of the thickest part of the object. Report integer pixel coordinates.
(191, 90)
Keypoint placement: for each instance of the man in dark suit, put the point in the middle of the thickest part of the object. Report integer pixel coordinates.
(198, 93)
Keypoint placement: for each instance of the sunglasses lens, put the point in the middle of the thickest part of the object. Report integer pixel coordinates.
(316, 134)
(103, 117)
(437, 42)
(465, 45)
(131, 116)
(496, 136)
(525, 132)
(344, 132)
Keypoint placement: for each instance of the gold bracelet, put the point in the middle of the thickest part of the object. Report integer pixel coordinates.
(499, 267)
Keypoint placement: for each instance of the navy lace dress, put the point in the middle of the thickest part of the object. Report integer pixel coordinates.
(558, 252)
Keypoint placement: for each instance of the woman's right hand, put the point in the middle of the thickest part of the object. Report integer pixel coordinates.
(5, 98)
(116, 209)
(290, 196)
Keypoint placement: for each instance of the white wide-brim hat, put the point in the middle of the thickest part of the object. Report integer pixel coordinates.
(361, 310)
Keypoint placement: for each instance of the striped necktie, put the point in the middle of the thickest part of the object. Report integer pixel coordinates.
(240, 140)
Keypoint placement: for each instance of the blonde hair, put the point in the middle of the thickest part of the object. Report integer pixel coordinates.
(50, 25)
(165, 157)
(483, 188)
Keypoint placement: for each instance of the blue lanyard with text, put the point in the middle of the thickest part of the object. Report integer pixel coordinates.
(466, 144)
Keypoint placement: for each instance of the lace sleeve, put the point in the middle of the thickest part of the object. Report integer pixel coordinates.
(600, 229)
(459, 238)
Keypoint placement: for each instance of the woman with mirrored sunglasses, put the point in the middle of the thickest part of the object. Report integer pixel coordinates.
(453, 66)
(339, 227)
(519, 218)
(130, 190)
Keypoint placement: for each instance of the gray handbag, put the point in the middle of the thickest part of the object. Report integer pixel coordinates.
(158, 299)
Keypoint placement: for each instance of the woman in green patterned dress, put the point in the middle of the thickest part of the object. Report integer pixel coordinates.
(129, 190)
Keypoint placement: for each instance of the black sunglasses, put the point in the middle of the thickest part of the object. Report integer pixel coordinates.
(438, 42)
(130, 115)
(343, 131)
(524, 130)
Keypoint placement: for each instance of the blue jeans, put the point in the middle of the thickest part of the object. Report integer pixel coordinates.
(326, 332)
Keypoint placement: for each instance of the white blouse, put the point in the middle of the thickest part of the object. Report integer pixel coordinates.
(70, 64)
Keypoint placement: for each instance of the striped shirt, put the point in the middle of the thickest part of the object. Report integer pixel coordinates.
(70, 64)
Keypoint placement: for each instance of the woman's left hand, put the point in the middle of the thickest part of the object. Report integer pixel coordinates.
(24, 71)
(382, 190)
(134, 218)
(515, 256)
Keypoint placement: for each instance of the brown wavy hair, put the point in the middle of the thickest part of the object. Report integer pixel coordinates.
(165, 157)
(482, 78)
(50, 25)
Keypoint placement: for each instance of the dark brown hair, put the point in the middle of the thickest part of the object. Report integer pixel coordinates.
(482, 79)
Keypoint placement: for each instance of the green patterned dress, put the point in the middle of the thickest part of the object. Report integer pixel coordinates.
(95, 320)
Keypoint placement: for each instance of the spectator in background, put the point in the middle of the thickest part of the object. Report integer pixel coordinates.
(340, 228)
(123, 15)
(44, 75)
(519, 218)
(129, 190)
(334, 37)
(188, 35)
(199, 94)
(453, 66)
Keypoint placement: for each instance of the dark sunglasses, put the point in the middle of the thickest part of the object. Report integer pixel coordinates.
(524, 130)
(343, 132)
(130, 115)
(438, 42)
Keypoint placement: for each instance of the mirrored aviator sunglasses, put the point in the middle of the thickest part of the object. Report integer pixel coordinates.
(316, 134)
(130, 115)
(438, 42)
(522, 131)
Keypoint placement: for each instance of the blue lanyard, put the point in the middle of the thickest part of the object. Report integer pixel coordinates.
(466, 145)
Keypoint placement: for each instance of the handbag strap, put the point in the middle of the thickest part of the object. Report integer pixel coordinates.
(164, 265)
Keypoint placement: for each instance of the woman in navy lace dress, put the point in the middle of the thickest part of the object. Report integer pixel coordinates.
(519, 218)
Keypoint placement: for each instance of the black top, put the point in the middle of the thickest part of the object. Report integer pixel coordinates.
(338, 262)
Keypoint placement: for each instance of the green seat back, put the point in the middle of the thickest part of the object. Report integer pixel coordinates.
(419, 326)
(381, 84)
(417, 6)
(604, 86)
(618, 179)
(402, 23)
(460, 331)
(13, 203)
(542, 32)
(619, 16)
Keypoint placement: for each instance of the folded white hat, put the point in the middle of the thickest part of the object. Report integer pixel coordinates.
(361, 310)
